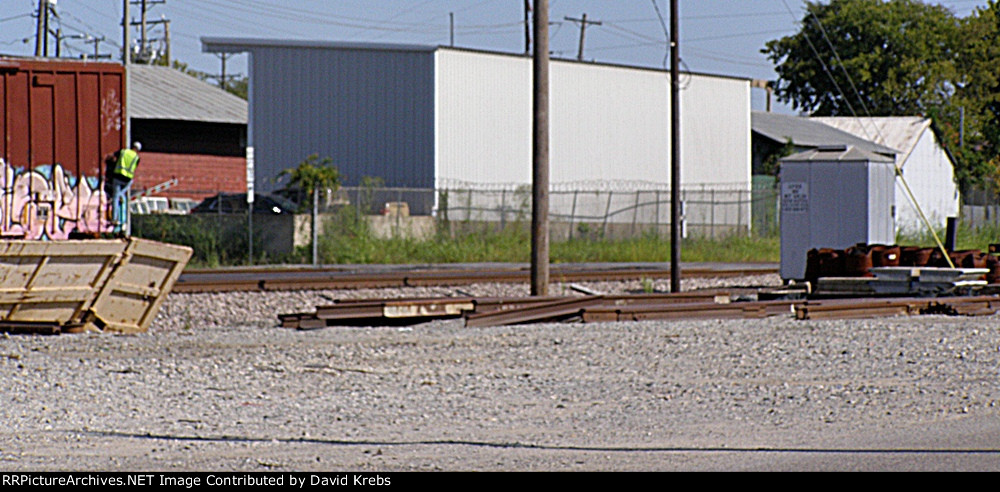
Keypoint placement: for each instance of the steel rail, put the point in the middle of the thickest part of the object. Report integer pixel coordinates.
(498, 311)
(230, 280)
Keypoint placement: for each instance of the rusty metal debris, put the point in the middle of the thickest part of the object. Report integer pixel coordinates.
(869, 308)
(499, 311)
(859, 260)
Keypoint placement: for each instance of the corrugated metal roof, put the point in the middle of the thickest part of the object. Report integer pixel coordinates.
(163, 93)
(804, 132)
(838, 153)
(211, 44)
(236, 45)
(898, 132)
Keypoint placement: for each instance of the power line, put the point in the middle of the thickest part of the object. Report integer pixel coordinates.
(5, 19)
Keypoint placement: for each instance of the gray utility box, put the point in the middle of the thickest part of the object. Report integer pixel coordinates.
(834, 197)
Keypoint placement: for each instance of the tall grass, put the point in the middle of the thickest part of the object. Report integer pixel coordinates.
(348, 239)
(966, 237)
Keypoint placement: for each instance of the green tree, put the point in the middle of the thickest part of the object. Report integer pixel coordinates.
(900, 55)
(313, 174)
(900, 58)
(978, 93)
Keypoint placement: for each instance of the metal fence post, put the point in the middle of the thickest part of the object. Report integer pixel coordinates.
(357, 202)
(468, 206)
(635, 212)
(657, 225)
(572, 215)
(607, 210)
(503, 208)
(739, 212)
(713, 214)
(399, 202)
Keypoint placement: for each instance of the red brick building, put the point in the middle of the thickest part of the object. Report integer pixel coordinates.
(190, 131)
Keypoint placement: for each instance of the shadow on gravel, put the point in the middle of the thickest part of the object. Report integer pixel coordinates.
(519, 445)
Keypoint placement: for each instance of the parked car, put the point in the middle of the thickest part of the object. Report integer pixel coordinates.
(234, 203)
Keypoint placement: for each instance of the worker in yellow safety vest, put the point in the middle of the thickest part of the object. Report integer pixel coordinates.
(120, 181)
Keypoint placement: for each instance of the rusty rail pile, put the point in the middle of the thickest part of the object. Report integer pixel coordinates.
(498, 311)
(869, 308)
(339, 278)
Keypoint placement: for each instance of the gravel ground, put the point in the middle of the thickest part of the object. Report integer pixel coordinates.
(215, 385)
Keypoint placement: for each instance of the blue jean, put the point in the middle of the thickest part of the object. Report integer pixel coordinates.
(119, 202)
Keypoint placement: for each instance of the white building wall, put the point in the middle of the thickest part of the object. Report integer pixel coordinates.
(931, 177)
(607, 123)
(482, 118)
(715, 131)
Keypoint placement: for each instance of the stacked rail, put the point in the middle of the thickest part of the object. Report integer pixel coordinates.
(498, 311)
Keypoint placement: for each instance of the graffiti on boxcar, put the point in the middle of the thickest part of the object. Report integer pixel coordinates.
(111, 112)
(47, 202)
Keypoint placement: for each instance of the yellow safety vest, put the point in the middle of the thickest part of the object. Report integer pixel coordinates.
(128, 160)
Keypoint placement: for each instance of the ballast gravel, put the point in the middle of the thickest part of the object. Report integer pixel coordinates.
(216, 385)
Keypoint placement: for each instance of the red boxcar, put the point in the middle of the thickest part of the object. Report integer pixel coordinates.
(59, 119)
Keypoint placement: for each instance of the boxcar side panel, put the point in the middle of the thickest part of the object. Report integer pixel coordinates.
(60, 120)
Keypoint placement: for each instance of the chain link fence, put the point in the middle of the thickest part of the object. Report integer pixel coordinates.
(577, 212)
(980, 208)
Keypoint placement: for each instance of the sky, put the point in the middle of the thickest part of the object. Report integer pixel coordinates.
(721, 37)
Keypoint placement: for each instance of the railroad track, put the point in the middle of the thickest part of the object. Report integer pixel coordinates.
(260, 279)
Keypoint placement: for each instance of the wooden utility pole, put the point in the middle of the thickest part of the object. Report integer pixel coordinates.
(583, 30)
(126, 40)
(675, 152)
(97, 50)
(40, 24)
(142, 31)
(222, 77)
(166, 39)
(45, 28)
(540, 154)
(527, 27)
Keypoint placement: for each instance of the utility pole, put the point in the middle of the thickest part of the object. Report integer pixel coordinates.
(166, 38)
(142, 31)
(42, 28)
(675, 152)
(97, 52)
(451, 23)
(527, 27)
(60, 37)
(766, 85)
(145, 55)
(145, 6)
(38, 28)
(540, 154)
(126, 40)
(222, 78)
(45, 28)
(583, 30)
